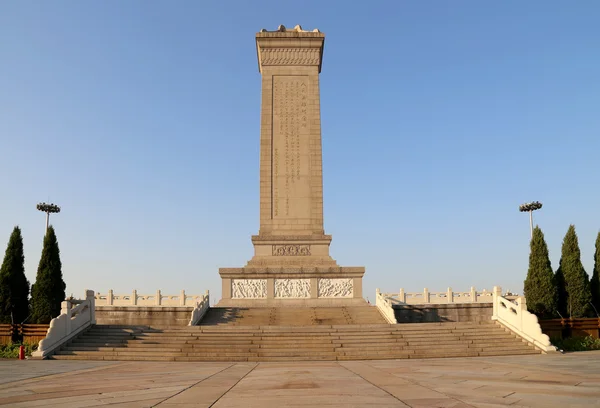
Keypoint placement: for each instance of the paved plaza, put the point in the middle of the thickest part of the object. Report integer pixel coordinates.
(570, 380)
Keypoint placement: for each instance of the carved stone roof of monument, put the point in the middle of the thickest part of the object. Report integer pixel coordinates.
(283, 29)
(290, 47)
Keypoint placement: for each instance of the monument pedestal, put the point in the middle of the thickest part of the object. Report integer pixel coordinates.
(291, 264)
(292, 286)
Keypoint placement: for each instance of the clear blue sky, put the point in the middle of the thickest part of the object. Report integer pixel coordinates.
(141, 119)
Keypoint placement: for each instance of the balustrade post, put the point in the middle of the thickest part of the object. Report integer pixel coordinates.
(402, 295)
(450, 295)
(426, 295)
(473, 294)
(89, 296)
(158, 298)
(182, 298)
(65, 308)
(522, 303)
(134, 297)
(496, 292)
(109, 298)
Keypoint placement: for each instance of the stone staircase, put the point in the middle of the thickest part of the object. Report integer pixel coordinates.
(233, 342)
(290, 316)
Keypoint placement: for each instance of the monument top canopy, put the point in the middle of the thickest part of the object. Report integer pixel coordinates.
(283, 29)
(289, 47)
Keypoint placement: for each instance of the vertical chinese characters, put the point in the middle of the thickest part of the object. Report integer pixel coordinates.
(290, 131)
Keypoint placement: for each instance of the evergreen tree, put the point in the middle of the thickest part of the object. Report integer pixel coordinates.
(49, 289)
(540, 287)
(595, 283)
(577, 295)
(14, 286)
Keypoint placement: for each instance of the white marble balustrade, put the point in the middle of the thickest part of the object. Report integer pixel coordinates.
(427, 297)
(157, 299)
(75, 316)
(513, 314)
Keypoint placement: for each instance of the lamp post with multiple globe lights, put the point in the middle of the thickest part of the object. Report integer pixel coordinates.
(48, 208)
(530, 208)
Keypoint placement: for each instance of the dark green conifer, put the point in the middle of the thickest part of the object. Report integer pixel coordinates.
(540, 288)
(576, 294)
(49, 289)
(595, 282)
(14, 286)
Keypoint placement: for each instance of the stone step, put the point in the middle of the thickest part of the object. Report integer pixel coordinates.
(291, 342)
(309, 346)
(92, 348)
(474, 336)
(98, 343)
(508, 352)
(199, 341)
(162, 349)
(434, 340)
(350, 356)
(107, 338)
(110, 333)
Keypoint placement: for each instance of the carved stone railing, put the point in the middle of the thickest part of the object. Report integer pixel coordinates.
(384, 305)
(513, 315)
(427, 297)
(200, 309)
(75, 316)
(158, 299)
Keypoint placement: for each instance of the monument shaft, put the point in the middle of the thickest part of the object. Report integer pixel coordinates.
(291, 162)
(291, 251)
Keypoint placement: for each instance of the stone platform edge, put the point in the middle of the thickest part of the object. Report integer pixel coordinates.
(134, 308)
(288, 272)
(268, 303)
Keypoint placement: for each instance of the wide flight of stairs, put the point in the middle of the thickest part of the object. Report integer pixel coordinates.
(221, 337)
(292, 316)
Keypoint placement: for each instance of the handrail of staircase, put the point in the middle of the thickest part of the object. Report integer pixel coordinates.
(513, 315)
(156, 299)
(200, 309)
(385, 307)
(75, 316)
(449, 296)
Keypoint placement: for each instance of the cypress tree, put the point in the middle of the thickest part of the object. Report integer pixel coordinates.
(540, 287)
(595, 283)
(577, 295)
(49, 289)
(14, 286)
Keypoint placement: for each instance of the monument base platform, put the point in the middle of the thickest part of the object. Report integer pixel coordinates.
(269, 303)
(292, 286)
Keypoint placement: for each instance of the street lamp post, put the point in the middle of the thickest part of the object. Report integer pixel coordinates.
(530, 208)
(48, 208)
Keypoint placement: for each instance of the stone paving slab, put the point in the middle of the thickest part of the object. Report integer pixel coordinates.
(570, 380)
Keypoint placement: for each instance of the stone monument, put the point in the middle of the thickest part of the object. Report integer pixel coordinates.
(291, 263)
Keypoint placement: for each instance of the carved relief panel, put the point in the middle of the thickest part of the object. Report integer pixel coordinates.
(335, 288)
(248, 288)
(292, 288)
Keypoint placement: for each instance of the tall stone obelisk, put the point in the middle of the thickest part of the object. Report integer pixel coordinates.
(291, 263)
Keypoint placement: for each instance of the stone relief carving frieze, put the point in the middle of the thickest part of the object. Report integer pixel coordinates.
(248, 288)
(292, 288)
(335, 288)
(290, 56)
(291, 250)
